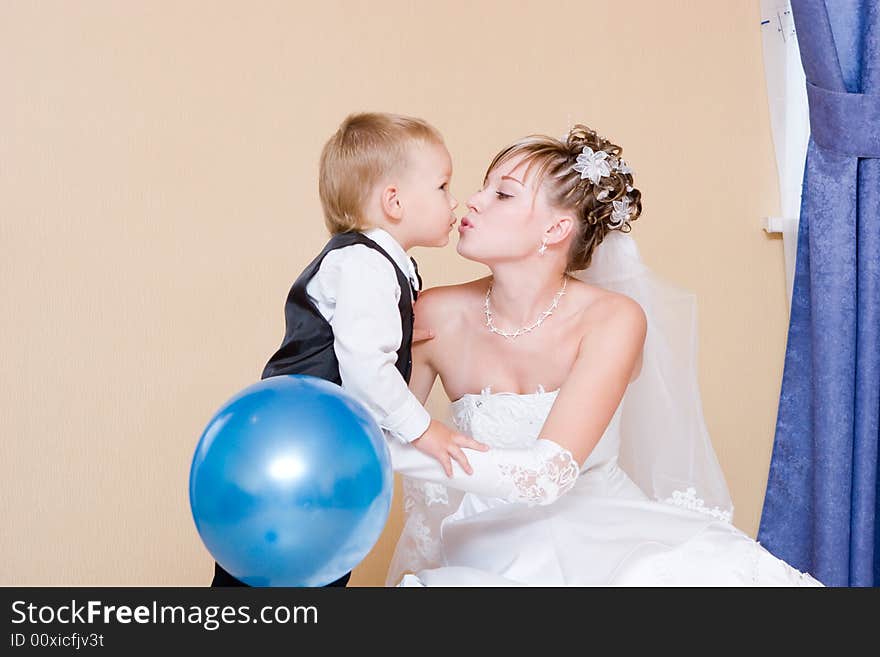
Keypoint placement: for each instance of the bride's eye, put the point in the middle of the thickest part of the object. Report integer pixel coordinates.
(502, 195)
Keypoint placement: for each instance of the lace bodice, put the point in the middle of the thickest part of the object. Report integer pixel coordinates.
(506, 419)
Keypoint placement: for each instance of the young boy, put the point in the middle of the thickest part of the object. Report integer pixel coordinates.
(384, 187)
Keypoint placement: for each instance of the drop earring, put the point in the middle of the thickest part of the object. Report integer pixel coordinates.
(543, 247)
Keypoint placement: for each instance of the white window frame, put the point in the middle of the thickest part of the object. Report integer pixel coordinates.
(789, 120)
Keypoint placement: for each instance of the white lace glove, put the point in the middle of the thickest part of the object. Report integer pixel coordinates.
(535, 475)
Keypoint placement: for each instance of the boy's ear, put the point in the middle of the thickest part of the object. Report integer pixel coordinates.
(559, 230)
(391, 204)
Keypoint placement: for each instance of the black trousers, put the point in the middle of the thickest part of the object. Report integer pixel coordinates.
(222, 578)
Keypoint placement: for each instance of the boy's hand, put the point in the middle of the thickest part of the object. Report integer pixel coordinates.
(443, 444)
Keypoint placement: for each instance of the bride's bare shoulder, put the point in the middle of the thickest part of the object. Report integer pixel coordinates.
(601, 307)
(615, 321)
(445, 303)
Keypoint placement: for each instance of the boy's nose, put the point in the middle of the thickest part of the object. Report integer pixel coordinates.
(453, 202)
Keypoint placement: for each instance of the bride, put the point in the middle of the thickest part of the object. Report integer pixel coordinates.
(599, 470)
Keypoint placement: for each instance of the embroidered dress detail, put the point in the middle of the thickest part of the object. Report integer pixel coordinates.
(688, 499)
(553, 474)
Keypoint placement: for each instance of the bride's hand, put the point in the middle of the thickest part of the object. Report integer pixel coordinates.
(443, 444)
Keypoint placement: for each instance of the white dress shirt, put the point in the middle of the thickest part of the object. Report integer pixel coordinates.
(356, 291)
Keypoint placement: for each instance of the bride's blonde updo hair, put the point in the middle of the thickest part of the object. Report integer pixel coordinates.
(559, 170)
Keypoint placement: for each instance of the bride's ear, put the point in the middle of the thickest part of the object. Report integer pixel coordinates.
(560, 229)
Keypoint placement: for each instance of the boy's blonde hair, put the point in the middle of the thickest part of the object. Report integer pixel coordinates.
(366, 147)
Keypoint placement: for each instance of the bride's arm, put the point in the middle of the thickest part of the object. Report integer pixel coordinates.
(609, 352)
(608, 357)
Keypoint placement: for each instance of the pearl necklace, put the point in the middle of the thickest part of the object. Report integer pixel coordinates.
(510, 335)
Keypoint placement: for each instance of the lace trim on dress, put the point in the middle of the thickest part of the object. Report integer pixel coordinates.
(435, 493)
(688, 499)
(424, 503)
(547, 481)
(427, 547)
(430, 492)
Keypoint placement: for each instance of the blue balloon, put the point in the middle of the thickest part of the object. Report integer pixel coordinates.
(291, 483)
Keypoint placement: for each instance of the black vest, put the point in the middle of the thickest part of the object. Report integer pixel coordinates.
(307, 347)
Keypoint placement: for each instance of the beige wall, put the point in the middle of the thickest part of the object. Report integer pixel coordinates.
(158, 195)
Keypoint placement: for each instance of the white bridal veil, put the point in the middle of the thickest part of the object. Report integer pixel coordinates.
(665, 446)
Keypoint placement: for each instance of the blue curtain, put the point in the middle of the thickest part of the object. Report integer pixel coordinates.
(821, 507)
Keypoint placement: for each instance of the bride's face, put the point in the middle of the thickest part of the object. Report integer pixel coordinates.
(506, 219)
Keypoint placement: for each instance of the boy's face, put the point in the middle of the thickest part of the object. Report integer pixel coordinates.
(424, 193)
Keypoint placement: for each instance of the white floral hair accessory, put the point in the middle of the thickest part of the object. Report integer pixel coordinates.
(592, 164)
(599, 164)
(620, 213)
(596, 165)
(619, 164)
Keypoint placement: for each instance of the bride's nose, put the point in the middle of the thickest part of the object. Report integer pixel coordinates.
(472, 203)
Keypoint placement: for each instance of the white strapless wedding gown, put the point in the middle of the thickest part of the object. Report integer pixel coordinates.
(604, 531)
